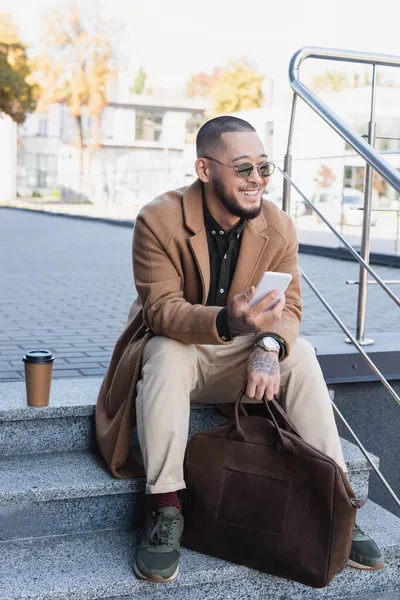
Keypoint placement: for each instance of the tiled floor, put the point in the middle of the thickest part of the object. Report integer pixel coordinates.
(66, 285)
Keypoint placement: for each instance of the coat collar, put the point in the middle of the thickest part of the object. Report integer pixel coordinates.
(254, 242)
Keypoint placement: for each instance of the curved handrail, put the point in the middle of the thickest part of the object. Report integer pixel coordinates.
(349, 247)
(379, 164)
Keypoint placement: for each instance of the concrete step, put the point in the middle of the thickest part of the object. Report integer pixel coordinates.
(98, 565)
(65, 492)
(56, 493)
(68, 422)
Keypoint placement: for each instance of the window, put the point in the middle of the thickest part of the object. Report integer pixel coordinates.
(40, 170)
(107, 123)
(354, 177)
(383, 144)
(42, 128)
(149, 125)
(324, 198)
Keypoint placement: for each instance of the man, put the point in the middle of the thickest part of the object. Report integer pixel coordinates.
(198, 254)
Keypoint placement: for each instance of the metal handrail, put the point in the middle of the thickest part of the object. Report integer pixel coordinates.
(385, 170)
(364, 149)
(374, 368)
(352, 339)
(364, 451)
(341, 238)
(343, 327)
(374, 160)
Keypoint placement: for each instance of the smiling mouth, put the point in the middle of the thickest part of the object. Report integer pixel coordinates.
(250, 193)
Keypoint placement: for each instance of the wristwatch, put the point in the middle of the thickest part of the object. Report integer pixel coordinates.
(269, 344)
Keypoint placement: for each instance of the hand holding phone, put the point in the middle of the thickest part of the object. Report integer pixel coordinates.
(269, 282)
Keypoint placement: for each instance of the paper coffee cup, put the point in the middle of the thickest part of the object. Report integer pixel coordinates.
(38, 371)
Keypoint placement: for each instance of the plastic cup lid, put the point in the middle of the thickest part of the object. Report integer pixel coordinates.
(38, 356)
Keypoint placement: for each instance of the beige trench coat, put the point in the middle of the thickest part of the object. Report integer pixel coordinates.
(172, 277)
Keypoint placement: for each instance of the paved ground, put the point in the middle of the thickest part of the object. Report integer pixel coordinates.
(66, 285)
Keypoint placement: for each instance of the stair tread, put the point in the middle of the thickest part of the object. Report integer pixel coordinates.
(72, 474)
(71, 397)
(55, 475)
(98, 565)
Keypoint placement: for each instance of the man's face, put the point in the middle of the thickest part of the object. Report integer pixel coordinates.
(241, 197)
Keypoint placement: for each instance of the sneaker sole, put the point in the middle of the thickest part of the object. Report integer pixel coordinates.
(355, 565)
(155, 578)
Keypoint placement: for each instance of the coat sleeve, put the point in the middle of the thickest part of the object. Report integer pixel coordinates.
(288, 325)
(160, 289)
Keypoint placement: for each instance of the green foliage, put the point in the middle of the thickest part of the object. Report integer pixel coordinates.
(140, 81)
(36, 194)
(331, 81)
(17, 94)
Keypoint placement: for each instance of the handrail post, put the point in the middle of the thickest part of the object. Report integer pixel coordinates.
(287, 165)
(366, 230)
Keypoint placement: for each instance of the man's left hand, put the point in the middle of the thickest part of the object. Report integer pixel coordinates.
(263, 374)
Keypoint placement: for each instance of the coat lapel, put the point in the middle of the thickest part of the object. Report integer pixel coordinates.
(253, 246)
(194, 220)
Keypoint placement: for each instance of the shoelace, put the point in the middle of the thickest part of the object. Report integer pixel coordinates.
(162, 530)
(357, 531)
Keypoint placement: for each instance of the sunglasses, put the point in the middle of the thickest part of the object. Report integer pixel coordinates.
(245, 169)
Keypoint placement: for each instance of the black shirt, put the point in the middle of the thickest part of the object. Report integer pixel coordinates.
(223, 249)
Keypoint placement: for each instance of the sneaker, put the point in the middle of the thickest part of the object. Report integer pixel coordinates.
(364, 554)
(157, 558)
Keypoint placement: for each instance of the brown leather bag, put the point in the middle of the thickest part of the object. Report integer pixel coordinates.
(260, 496)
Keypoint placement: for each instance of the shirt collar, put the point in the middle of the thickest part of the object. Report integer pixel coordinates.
(215, 228)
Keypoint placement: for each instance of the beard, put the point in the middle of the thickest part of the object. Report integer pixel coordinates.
(232, 204)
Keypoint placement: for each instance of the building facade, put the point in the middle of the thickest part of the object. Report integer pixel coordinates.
(141, 151)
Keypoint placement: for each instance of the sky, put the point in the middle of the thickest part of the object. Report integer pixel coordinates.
(173, 39)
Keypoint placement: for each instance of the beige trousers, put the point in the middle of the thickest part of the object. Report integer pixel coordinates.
(175, 374)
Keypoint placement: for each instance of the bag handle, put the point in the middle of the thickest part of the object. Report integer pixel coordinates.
(283, 444)
(283, 414)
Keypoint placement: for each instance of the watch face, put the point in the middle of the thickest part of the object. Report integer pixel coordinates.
(270, 344)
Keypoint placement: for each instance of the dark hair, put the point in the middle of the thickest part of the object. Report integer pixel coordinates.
(209, 135)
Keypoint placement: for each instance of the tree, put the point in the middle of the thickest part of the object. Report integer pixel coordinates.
(201, 84)
(325, 177)
(331, 81)
(17, 94)
(335, 81)
(75, 67)
(140, 81)
(379, 185)
(238, 86)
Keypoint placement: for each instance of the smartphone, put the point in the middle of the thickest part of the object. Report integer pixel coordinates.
(269, 282)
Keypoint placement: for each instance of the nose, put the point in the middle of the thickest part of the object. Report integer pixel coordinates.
(255, 178)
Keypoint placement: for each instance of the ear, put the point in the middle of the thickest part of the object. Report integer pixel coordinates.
(202, 170)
